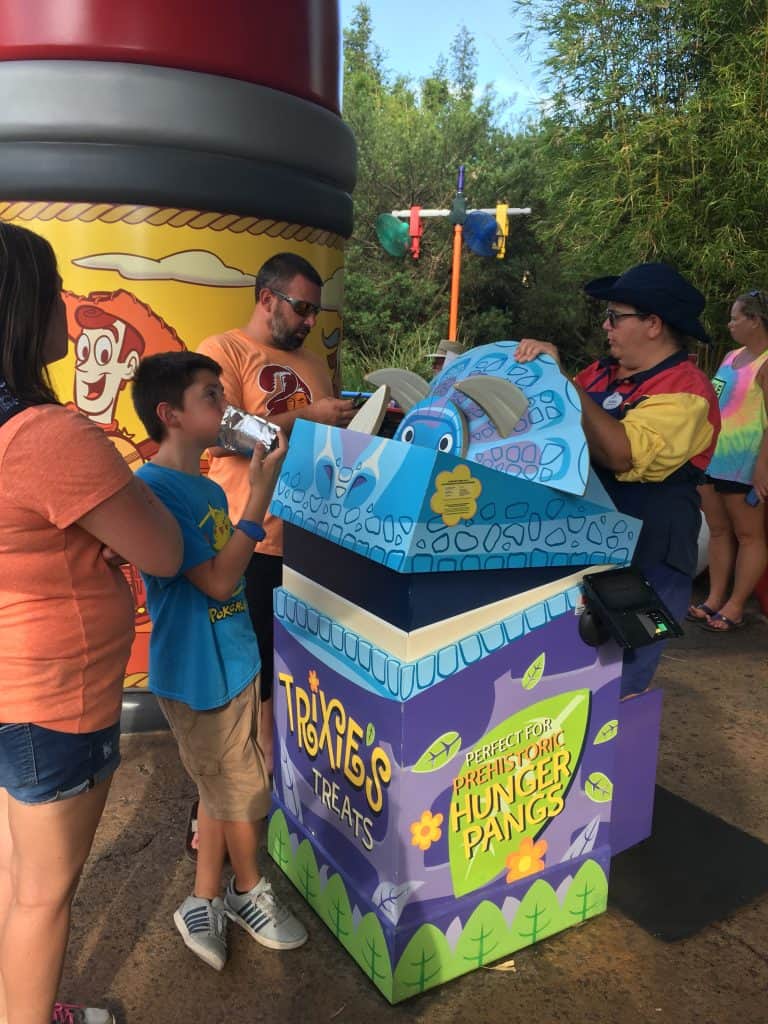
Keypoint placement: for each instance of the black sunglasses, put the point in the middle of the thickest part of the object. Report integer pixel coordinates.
(612, 316)
(301, 307)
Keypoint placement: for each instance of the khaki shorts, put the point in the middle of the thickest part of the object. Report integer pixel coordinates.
(221, 754)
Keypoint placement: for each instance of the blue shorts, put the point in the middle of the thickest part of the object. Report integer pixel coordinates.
(39, 766)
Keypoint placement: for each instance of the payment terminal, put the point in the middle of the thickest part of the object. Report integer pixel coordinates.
(623, 606)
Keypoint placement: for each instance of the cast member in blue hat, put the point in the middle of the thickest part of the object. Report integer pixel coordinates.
(651, 419)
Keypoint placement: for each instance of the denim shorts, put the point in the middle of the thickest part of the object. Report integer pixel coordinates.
(40, 766)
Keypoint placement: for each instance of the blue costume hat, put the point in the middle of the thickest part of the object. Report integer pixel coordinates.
(655, 288)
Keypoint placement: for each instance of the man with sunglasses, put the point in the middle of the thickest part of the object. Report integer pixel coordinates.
(651, 420)
(267, 371)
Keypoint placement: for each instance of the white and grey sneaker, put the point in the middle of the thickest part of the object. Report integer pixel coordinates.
(203, 926)
(264, 917)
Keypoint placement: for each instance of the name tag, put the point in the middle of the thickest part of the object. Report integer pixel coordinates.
(613, 401)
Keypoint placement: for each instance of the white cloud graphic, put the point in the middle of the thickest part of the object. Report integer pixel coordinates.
(193, 266)
(333, 291)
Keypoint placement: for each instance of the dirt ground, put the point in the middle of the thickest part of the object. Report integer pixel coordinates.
(126, 953)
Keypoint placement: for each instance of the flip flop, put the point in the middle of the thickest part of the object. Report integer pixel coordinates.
(694, 608)
(190, 841)
(729, 625)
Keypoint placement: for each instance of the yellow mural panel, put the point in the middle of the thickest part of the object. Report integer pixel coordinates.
(144, 279)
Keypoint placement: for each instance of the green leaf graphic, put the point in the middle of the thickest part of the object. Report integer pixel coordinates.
(370, 734)
(439, 753)
(587, 894)
(336, 910)
(306, 874)
(599, 788)
(538, 915)
(484, 937)
(279, 842)
(369, 948)
(534, 672)
(426, 961)
(607, 732)
(488, 819)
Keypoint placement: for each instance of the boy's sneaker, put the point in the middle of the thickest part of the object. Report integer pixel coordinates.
(264, 917)
(68, 1013)
(203, 926)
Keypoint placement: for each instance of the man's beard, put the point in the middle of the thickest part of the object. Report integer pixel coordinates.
(282, 337)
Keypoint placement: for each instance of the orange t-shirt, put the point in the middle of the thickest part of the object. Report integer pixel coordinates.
(66, 617)
(265, 381)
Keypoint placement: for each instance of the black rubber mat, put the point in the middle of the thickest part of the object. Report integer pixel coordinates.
(694, 870)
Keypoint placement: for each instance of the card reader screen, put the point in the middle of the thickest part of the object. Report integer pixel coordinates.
(621, 591)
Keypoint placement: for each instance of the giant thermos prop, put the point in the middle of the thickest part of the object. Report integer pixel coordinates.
(166, 150)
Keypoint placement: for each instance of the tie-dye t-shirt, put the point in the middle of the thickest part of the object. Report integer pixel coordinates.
(744, 419)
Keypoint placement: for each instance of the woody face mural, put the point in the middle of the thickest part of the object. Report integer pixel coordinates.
(110, 332)
(107, 352)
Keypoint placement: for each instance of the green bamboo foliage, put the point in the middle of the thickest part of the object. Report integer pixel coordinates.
(655, 138)
(651, 144)
(412, 136)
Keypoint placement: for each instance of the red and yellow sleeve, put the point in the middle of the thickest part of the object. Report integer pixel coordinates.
(665, 432)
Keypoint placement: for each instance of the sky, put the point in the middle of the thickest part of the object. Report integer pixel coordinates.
(414, 33)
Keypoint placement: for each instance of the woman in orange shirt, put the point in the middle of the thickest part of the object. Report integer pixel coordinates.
(66, 625)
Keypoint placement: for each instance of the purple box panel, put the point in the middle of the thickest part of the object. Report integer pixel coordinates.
(637, 749)
(425, 808)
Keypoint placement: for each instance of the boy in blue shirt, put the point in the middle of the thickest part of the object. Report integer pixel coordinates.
(204, 658)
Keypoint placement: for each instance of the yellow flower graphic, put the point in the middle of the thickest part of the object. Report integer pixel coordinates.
(456, 495)
(314, 682)
(527, 859)
(426, 830)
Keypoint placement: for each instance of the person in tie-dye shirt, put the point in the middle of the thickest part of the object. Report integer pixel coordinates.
(737, 546)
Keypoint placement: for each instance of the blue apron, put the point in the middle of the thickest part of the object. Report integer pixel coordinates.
(669, 509)
(667, 549)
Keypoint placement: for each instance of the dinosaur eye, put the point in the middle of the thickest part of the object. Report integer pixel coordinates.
(445, 444)
(408, 435)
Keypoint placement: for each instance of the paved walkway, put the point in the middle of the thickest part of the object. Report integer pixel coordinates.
(125, 950)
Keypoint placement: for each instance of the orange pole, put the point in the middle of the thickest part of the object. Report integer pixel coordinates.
(453, 314)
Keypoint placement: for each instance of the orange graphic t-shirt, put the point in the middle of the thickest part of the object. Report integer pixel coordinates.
(265, 381)
(66, 616)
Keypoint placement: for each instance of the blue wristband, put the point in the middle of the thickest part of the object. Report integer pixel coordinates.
(253, 530)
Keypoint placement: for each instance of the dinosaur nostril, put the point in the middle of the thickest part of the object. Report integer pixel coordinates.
(324, 478)
(359, 490)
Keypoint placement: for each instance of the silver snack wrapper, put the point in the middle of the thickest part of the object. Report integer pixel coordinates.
(241, 431)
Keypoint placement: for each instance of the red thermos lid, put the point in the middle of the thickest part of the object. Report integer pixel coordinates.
(292, 46)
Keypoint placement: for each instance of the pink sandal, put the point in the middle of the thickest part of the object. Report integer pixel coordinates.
(69, 1013)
